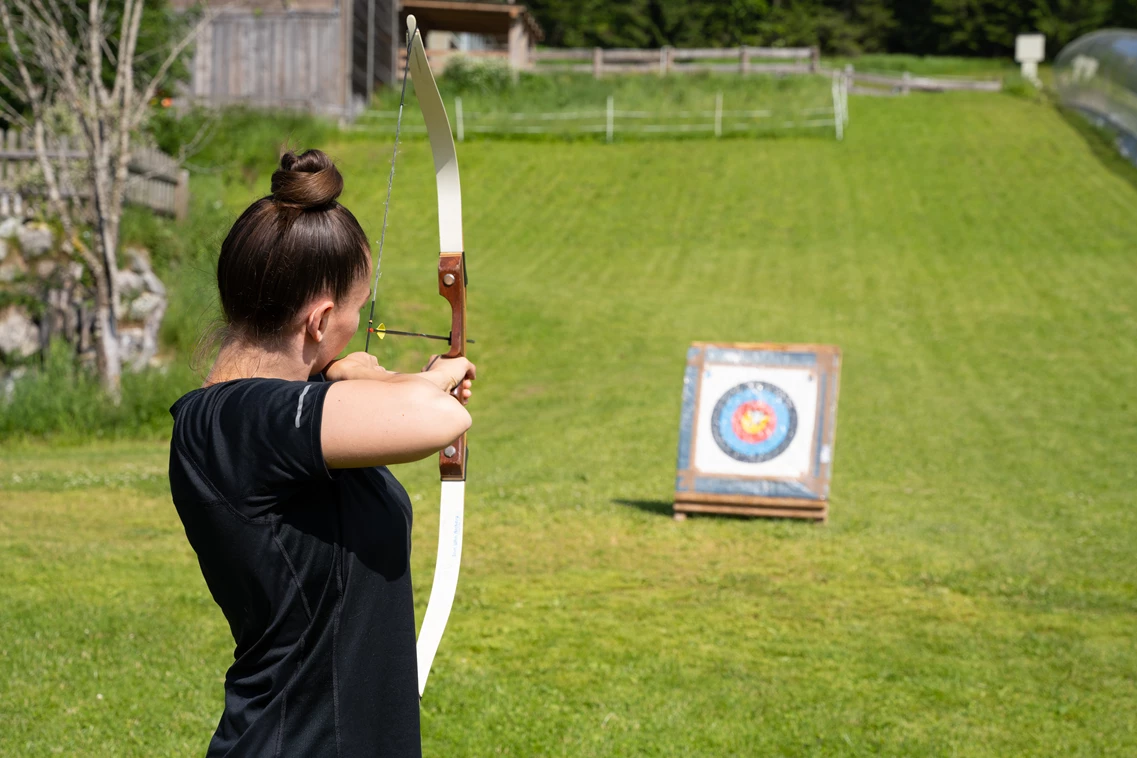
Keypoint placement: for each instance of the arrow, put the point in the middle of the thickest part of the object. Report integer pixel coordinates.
(382, 331)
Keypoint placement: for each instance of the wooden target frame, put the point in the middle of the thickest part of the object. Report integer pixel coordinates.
(787, 392)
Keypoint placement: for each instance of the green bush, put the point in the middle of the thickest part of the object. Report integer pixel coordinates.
(238, 138)
(485, 76)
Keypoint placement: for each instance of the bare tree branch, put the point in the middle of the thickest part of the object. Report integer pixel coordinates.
(14, 88)
(128, 34)
(33, 92)
(60, 53)
(14, 115)
(171, 59)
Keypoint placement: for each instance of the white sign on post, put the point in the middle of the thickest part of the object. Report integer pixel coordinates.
(1030, 50)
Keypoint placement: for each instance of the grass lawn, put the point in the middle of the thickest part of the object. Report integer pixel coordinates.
(752, 105)
(927, 65)
(974, 593)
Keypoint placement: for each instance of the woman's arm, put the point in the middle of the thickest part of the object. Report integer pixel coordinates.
(390, 418)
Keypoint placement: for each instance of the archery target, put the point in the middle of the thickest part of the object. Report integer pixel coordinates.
(756, 421)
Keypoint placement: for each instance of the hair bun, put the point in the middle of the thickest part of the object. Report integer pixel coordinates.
(306, 181)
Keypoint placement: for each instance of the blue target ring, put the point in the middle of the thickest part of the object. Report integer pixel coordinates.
(754, 422)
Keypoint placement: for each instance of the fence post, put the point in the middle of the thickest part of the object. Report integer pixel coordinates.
(611, 125)
(597, 62)
(845, 98)
(838, 116)
(814, 59)
(663, 61)
(181, 197)
(718, 114)
(906, 86)
(744, 60)
(460, 121)
(64, 163)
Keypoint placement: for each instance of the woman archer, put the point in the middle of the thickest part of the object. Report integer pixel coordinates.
(277, 470)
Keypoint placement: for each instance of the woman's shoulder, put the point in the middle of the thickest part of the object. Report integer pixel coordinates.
(267, 404)
(248, 392)
(251, 434)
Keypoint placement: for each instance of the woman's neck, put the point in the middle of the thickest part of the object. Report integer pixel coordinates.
(238, 360)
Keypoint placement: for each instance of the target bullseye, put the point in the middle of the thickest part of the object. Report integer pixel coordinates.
(754, 422)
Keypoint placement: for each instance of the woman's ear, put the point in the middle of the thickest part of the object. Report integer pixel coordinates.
(319, 319)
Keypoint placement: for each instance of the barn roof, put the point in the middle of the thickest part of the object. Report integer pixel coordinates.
(477, 18)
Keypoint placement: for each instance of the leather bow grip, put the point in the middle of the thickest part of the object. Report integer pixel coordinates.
(452, 286)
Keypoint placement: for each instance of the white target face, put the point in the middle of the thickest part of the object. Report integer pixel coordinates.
(756, 421)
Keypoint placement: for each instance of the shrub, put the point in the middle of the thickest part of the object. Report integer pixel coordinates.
(482, 75)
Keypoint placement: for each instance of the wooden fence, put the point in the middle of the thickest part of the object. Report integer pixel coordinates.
(665, 60)
(879, 83)
(156, 181)
(741, 60)
(611, 122)
(670, 60)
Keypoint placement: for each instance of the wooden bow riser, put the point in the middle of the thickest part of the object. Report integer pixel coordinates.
(452, 286)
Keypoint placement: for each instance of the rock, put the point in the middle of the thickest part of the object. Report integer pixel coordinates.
(12, 268)
(144, 305)
(153, 283)
(143, 298)
(131, 341)
(9, 227)
(44, 269)
(138, 259)
(19, 335)
(36, 238)
(129, 284)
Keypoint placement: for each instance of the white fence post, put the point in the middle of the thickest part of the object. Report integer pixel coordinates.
(461, 125)
(838, 116)
(611, 116)
(845, 98)
(718, 114)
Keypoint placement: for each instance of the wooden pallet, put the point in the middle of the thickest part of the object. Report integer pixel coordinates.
(757, 507)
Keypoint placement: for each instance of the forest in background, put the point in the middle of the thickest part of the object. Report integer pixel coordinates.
(842, 27)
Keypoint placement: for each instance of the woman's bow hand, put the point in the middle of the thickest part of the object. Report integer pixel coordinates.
(453, 375)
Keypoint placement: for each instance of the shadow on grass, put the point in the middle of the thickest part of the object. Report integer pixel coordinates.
(1102, 142)
(657, 507)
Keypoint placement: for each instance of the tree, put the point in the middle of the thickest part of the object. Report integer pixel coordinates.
(68, 65)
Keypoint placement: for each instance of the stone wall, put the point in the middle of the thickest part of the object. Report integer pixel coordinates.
(43, 296)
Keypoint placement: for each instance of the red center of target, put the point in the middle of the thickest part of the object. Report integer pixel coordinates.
(753, 421)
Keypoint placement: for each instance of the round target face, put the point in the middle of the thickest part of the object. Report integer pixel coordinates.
(754, 422)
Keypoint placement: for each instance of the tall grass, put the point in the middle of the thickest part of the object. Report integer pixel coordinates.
(65, 402)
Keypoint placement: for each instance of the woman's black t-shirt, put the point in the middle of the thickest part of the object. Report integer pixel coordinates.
(311, 569)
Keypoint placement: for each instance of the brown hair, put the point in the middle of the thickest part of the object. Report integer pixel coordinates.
(288, 248)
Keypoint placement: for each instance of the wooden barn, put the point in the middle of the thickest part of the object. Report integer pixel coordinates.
(328, 56)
